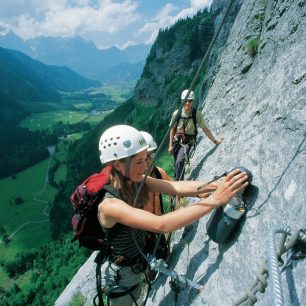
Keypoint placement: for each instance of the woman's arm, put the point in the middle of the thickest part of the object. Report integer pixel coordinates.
(116, 211)
(181, 188)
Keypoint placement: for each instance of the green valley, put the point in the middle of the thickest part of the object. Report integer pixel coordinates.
(90, 106)
(39, 262)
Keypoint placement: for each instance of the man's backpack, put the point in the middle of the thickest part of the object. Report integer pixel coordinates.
(193, 117)
(85, 200)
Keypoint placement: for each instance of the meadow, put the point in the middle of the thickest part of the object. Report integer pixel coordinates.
(37, 196)
(46, 120)
(31, 185)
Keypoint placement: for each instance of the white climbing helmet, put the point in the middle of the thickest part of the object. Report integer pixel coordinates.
(184, 95)
(120, 141)
(150, 141)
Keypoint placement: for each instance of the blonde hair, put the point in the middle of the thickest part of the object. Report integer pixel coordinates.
(127, 191)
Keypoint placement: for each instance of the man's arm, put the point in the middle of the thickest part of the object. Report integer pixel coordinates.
(201, 123)
(209, 134)
(171, 135)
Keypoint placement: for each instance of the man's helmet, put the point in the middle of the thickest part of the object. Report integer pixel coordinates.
(150, 141)
(184, 95)
(120, 141)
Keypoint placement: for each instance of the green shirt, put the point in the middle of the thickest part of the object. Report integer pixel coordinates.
(186, 125)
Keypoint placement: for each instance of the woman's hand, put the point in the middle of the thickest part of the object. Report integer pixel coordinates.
(207, 190)
(227, 188)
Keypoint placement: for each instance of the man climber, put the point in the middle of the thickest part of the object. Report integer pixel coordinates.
(184, 131)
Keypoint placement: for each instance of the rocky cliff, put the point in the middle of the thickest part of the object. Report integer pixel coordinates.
(255, 98)
(257, 102)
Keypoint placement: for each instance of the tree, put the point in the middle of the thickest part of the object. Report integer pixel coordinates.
(17, 288)
(18, 200)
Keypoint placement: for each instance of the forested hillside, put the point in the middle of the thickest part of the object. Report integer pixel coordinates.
(26, 79)
(24, 85)
(170, 66)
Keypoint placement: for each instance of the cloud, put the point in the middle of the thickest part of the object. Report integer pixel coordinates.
(69, 18)
(106, 22)
(168, 15)
(200, 3)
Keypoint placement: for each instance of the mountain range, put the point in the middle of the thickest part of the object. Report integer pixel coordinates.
(81, 56)
(24, 80)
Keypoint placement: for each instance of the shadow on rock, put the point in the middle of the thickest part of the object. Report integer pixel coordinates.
(186, 296)
(177, 249)
(195, 172)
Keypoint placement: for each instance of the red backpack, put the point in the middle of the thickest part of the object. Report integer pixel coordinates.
(85, 200)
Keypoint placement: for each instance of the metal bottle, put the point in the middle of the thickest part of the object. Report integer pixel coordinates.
(224, 220)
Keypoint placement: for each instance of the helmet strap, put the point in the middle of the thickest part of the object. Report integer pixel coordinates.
(127, 169)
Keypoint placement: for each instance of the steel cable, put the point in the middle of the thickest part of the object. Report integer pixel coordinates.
(277, 291)
(260, 283)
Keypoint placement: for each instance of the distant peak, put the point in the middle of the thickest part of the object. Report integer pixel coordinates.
(4, 30)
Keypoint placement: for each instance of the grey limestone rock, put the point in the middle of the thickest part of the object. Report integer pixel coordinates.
(261, 115)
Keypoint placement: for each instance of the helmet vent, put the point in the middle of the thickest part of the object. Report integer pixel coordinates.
(127, 143)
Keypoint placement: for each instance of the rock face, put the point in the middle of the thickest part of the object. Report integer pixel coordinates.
(255, 99)
(83, 283)
(258, 104)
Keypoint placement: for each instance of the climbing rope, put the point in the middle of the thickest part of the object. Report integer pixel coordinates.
(193, 83)
(277, 292)
(274, 260)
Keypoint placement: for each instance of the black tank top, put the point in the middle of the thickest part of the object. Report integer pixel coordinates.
(123, 243)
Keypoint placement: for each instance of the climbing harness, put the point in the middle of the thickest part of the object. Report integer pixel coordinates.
(99, 261)
(109, 291)
(271, 266)
(110, 294)
(185, 120)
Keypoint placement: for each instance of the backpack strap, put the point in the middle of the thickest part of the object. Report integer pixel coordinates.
(159, 176)
(194, 119)
(113, 232)
(110, 189)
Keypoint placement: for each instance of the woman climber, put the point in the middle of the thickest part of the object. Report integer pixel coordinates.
(125, 150)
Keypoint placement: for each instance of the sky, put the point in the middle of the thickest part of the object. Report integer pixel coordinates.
(105, 22)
